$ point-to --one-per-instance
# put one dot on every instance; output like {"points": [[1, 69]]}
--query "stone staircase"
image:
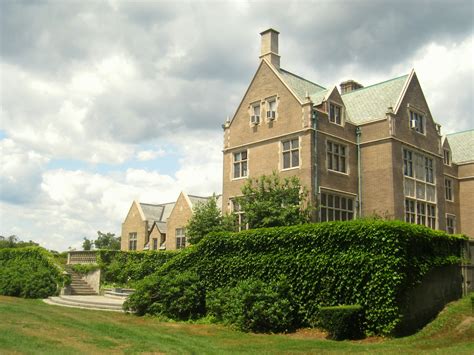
{"points": [[99, 303], [78, 285]]}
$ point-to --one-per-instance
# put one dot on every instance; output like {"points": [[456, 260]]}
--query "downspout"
{"points": [[359, 174], [314, 123]]}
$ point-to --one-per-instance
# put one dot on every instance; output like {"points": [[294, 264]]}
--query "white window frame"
{"points": [[451, 217], [332, 156], [328, 209], [290, 151], [235, 207], [420, 212], [240, 163], [180, 238], [332, 104]]}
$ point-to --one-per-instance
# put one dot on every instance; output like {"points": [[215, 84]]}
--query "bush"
{"points": [[342, 322], [126, 267], [29, 272], [372, 263], [180, 296], [255, 306]]}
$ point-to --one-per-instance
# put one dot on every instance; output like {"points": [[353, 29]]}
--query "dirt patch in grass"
{"points": [[465, 325], [307, 333]]}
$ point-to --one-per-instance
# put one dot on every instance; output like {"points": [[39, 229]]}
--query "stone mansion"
{"points": [[358, 150]]}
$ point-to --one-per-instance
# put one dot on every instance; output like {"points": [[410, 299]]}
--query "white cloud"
{"points": [[145, 155]]}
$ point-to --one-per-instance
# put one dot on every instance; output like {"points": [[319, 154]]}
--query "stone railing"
{"points": [[81, 257]]}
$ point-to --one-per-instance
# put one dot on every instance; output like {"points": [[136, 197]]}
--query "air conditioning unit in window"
{"points": [[271, 115], [254, 119]]}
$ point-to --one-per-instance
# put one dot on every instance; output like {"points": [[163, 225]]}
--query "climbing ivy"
{"points": [[372, 263]]}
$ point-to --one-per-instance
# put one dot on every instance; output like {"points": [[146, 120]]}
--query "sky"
{"points": [[105, 102]]}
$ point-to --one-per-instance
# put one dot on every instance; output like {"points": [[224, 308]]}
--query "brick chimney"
{"points": [[269, 49], [350, 85]]}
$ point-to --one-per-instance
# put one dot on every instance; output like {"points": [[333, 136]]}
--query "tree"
{"points": [[87, 244], [107, 241], [269, 201], [14, 242], [207, 218]]}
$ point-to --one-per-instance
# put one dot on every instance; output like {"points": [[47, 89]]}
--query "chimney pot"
{"points": [[350, 85]]}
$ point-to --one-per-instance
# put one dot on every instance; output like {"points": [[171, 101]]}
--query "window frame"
{"points": [[447, 157], [448, 189], [180, 238], [339, 157], [417, 116], [268, 101], [253, 107], [235, 208], [290, 151], [325, 210], [332, 104], [451, 217], [240, 163], [132, 241]]}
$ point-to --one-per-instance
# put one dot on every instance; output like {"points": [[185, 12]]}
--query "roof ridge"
{"points": [[300, 77], [156, 204], [465, 131], [370, 86]]}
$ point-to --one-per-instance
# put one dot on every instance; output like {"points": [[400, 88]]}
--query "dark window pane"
{"points": [[337, 215], [286, 160], [295, 158]]}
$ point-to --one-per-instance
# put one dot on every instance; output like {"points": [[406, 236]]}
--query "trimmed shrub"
{"points": [[342, 322], [179, 296], [126, 267], [29, 272], [368, 262], [253, 305]]}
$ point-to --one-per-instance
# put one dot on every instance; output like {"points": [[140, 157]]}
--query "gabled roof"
{"points": [[200, 199], [462, 146], [371, 103], [158, 213], [162, 227], [300, 86]]}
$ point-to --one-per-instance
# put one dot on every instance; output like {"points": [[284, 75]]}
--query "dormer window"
{"points": [[335, 113], [271, 109], [255, 114], [447, 157], [417, 122]]}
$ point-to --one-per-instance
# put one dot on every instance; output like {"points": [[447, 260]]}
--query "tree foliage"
{"points": [[207, 218], [107, 241], [13, 241], [269, 201], [87, 244]]}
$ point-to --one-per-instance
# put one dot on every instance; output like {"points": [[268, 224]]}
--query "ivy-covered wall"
{"points": [[372, 263], [123, 268]]}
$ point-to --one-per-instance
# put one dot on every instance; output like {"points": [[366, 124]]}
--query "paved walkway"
{"points": [[103, 303]]}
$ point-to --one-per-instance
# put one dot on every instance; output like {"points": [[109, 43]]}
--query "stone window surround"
{"points": [[339, 156], [132, 241], [452, 218], [281, 154], [350, 213], [412, 111], [330, 104], [180, 238], [448, 189], [241, 163], [446, 157]]}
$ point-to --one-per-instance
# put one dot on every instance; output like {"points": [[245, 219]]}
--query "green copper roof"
{"points": [[301, 87], [462, 146], [371, 103]]}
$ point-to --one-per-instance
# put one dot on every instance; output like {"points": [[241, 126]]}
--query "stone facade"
{"points": [[371, 150]]}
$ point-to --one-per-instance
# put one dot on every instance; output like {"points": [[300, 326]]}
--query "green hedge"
{"points": [[342, 322], [123, 268], [29, 272], [368, 262]]}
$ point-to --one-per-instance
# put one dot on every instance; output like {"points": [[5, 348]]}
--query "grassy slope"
{"points": [[30, 326]]}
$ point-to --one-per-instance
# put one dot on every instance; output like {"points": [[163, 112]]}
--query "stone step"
{"points": [[86, 302]]}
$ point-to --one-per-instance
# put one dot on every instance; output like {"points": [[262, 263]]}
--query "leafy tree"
{"points": [[87, 244], [207, 218], [269, 201], [107, 241], [14, 242]]}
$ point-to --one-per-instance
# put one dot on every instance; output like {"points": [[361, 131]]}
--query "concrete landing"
{"points": [[101, 303]]}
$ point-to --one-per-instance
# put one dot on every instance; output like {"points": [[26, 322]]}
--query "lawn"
{"points": [[31, 326]]}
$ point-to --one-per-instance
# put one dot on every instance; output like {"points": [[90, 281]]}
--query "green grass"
{"points": [[31, 326]]}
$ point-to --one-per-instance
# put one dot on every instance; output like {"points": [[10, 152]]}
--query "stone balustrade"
{"points": [[81, 257]]}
